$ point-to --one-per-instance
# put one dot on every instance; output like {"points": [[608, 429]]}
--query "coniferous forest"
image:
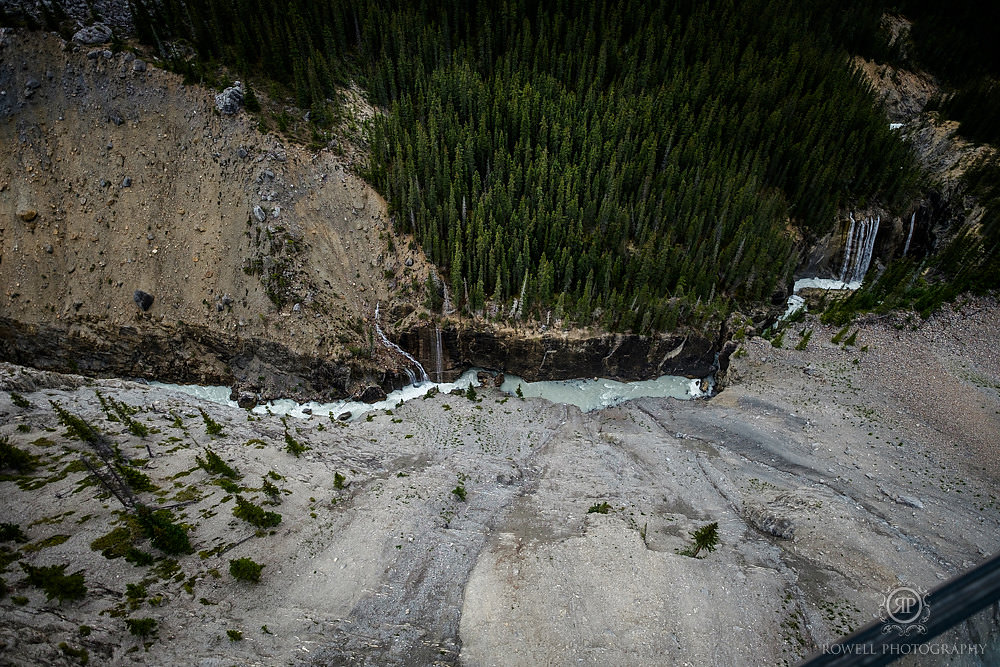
{"points": [[637, 165]]}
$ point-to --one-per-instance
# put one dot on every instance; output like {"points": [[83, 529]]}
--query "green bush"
{"points": [[245, 569], [138, 557], [338, 481], [234, 635], [12, 532], [55, 583], [137, 481], [78, 653], [212, 427], [254, 514], [459, 492], [165, 535], [77, 427], [706, 537], [214, 464], [141, 627], [599, 508], [19, 401], [13, 457], [293, 446]]}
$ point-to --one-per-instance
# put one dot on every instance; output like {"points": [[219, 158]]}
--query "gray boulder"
{"points": [[230, 100], [94, 34], [258, 213], [247, 400], [138, 65]]}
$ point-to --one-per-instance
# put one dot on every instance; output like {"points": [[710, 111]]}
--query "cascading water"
{"points": [[906, 248], [858, 249], [393, 346], [437, 352]]}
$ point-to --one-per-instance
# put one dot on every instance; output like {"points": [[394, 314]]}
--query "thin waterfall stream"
{"points": [[388, 343]]}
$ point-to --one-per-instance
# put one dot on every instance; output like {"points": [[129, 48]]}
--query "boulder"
{"points": [[27, 214], [142, 299], [485, 378], [498, 380], [343, 416], [94, 34], [126, 182], [138, 65], [372, 394], [247, 400], [230, 100], [258, 213]]}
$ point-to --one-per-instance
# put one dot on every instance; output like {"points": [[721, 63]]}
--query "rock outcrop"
{"points": [[230, 100], [93, 34]]}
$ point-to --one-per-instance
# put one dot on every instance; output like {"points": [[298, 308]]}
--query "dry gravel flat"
{"points": [[835, 473]]}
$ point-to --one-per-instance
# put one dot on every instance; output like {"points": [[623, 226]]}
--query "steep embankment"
{"points": [[263, 259], [835, 473]]}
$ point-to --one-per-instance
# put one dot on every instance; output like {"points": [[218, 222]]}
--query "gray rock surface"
{"points": [[230, 100], [93, 34]]}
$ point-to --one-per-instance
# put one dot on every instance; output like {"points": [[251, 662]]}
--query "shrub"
{"points": [[805, 340], [459, 492], [52, 580], [24, 428], [254, 514], [234, 635], [138, 557], [78, 653], [706, 537], [293, 446], [77, 427], [141, 627], [470, 393], [245, 569], [19, 401], [14, 457], [165, 535], [338, 481], [214, 464], [12, 532], [599, 508], [137, 481], [272, 490], [212, 427], [229, 485]]}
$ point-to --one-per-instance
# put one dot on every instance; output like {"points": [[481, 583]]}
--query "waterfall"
{"points": [[847, 250], [437, 352], [906, 248], [858, 249], [393, 346]]}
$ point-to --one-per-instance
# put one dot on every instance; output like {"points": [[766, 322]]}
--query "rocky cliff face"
{"points": [[940, 151], [557, 356]]}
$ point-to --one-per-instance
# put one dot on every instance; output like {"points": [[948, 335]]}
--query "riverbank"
{"points": [[451, 529]]}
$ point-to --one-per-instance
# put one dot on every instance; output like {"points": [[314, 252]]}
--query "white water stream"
{"points": [[590, 394]]}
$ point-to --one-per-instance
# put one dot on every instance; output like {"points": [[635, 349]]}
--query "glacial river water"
{"points": [[586, 394]]}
